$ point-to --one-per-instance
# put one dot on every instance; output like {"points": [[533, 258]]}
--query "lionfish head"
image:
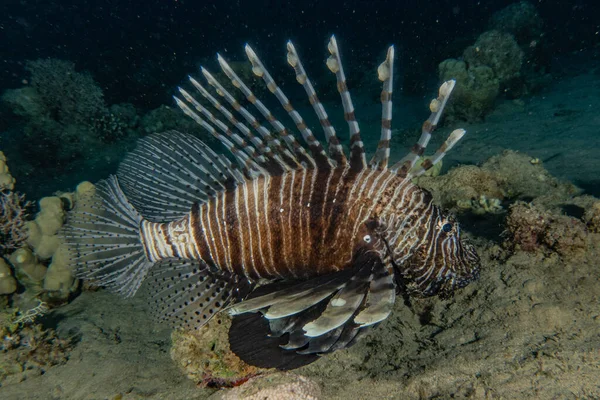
{"points": [[443, 262]]}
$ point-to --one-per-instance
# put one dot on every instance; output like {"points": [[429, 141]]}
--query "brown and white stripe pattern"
{"points": [[321, 159], [335, 148], [303, 221], [301, 224]]}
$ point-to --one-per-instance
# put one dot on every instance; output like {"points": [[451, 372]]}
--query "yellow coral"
{"points": [[29, 269], [7, 182], [60, 278], [8, 283], [205, 357], [42, 231]]}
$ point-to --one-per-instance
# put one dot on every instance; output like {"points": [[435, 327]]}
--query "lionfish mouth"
{"points": [[471, 265]]}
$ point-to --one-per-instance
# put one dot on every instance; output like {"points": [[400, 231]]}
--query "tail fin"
{"points": [[103, 236]]}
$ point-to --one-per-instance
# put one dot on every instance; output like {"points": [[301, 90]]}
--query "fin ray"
{"points": [[168, 172], [112, 252], [188, 293]]}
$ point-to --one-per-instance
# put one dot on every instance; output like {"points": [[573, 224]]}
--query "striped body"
{"points": [[305, 246], [300, 224]]}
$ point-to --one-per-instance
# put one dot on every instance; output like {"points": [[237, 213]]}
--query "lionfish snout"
{"points": [[444, 263], [466, 265]]}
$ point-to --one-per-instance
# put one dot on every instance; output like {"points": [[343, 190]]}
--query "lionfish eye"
{"points": [[367, 238], [447, 227]]}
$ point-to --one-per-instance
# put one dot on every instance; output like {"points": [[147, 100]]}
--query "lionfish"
{"points": [[306, 248]]}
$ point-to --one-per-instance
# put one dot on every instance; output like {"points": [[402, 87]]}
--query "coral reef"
{"points": [[475, 92], [26, 348], [58, 108], [7, 182], [28, 269], [64, 94], [524, 22], [508, 60], [59, 280], [277, 386], [533, 228], [506, 177], [205, 357], [13, 216], [43, 229], [592, 217], [519, 19], [500, 52], [8, 284], [487, 69], [39, 261], [64, 121]]}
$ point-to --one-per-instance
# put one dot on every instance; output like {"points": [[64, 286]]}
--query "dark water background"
{"points": [[116, 40], [139, 51]]}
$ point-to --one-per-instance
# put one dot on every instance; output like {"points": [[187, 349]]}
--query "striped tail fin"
{"points": [[103, 236]]}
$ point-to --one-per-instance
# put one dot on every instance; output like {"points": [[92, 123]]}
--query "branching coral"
{"points": [[13, 215], [29, 316], [27, 348]]}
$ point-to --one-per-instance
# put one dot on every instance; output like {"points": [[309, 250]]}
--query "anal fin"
{"points": [[188, 293]]}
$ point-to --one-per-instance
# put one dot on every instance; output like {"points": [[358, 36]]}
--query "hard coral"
{"points": [[8, 284], [205, 356], [531, 228], [67, 96], [508, 176], [499, 51], [7, 182], [28, 349], [519, 19], [467, 188], [592, 217], [475, 92]]}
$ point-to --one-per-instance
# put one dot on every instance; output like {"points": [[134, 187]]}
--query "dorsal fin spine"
{"points": [[290, 160], [247, 164], [357, 151], [437, 108], [335, 148], [319, 158], [385, 73], [248, 149], [427, 164], [272, 163]]}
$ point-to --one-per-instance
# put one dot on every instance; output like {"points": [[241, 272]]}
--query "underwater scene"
{"points": [[299, 199]]}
